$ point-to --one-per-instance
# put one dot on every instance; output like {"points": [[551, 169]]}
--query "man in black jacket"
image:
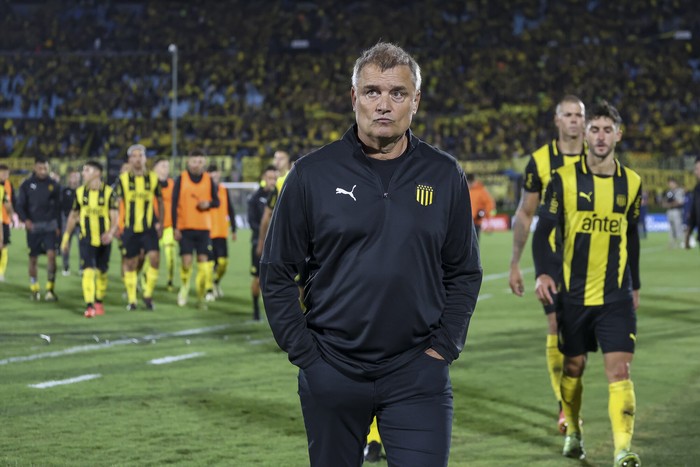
{"points": [[694, 213], [67, 200], [39, 207], [256, 207], [380, 222]]}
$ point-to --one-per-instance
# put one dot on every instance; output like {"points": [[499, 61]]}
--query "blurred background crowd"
{"points": [[89, 78]]}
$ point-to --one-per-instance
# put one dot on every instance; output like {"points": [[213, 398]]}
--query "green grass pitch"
{"points": [[231, 398]]}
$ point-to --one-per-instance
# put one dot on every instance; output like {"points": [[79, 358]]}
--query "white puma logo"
{"points": [[587, 196], [340, 191]]}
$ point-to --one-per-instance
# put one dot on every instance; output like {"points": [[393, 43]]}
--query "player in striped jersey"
{"points": [[596, 204], [137, 189], [96, 210], [568, 148]]}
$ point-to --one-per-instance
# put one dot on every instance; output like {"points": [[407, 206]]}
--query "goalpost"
{"points": [[239, 192]]}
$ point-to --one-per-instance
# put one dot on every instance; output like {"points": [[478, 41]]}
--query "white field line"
{"points": [[175, 358], [484, 296], [61, 382], [109, 344]]}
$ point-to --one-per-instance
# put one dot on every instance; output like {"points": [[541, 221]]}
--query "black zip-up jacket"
{"points": [[389, 273], [39, 201], [256, 209], [694, 214]]}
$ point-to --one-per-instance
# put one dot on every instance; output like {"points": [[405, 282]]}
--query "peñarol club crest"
{"points": [[424, 195]]}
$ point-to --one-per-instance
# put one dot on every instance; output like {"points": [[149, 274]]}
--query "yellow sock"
{"points": [[621, 408], [101, 286], [143, 276], [209, 265], [571, 396], [89, 285], [130, 279], [555, 363], [3, 260], [221, 266], [169, 251], [374, 432], [201, 281], [151, 279], [34, 287], [185, 276], [49, 285]]}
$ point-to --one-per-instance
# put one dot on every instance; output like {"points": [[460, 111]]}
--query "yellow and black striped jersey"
{"points": [[272, 198], [594, 213], [138, 192], [94, 207], [542, 165]]}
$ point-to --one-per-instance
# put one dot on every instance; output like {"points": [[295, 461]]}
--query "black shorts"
{"points": [[219, 248], [94, 257], [134, 243], [41, 242], [6, 233], [195, 241], [255, 261], [582, 328]]}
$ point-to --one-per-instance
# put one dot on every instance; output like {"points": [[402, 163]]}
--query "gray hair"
{"points": [[385, 56], [136, 147]]}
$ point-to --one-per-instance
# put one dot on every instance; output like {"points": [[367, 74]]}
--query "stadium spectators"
{"points": [[90, 79]]}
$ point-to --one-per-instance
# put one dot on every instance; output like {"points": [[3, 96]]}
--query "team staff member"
{"points": [[7, 212], [595, 203], [567, 149], [223, 217], [483, 204], [95, 210], [39, 207], [384, 221], [194, 194], [694, 214], [256, 207], [137, 188], [67, 201], [167, 242]]}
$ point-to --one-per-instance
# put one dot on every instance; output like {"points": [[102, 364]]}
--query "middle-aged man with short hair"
{"points": [[379, 224]]}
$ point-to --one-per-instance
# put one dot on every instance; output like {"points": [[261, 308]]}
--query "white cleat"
{"points": [[182, 297]]}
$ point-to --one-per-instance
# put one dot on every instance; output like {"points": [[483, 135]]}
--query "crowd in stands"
{"points": [[88, 78]]}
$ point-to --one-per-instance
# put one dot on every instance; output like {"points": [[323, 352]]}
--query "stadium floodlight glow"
{"points": [[172, 48]]}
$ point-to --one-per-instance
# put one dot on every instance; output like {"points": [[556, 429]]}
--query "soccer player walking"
{"points": [[96, 209], [137, 189], [567, 148], [380, 223], [223, 218], [194, 194], [595, 203]]}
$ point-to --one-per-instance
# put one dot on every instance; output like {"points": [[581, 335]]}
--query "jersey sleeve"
{"points": [[113, 201], [634, 212], [76, 203], [533, 182], [272, 199]]}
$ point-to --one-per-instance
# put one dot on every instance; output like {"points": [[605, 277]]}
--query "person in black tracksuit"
{"points": [[67, 199], [693, 221], [381, 221], [256, 207], [39, 207]]}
